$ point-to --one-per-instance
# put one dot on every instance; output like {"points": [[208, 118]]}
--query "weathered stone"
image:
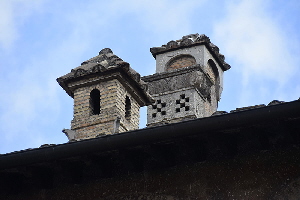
{"points": [[70, 134], [188, 81], [104, 103], [190, 41]]}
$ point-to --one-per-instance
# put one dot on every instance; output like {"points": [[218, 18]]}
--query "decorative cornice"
{"points": [[104, 63], [174, 72]]}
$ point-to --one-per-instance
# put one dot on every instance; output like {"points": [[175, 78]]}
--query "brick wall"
{"points": [[211, 74], [112, 105], [180, 62]]}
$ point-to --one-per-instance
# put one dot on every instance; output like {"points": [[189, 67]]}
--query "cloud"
{"points": [[254, 40], [259, 47], [13, 13]]}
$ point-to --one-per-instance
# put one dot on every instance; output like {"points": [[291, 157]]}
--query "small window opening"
{"points": [[127, 108], [95, 102], [153, 115]]}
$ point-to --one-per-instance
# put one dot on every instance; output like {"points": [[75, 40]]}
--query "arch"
{"points": [[127, 108], [180, 61], [214, 69], [95, 102], [215, 76]]}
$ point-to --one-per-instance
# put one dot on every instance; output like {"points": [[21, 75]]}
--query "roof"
{"points": [[101, 64], [189, 41], [282, 118]]}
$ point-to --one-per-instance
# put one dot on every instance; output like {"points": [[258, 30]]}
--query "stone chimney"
{"points": [[188, 81], [107, 95]]}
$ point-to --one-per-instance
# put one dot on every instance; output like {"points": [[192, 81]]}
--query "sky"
{"points": [[41, 40]]}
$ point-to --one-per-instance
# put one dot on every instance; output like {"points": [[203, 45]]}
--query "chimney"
{"points": [[107, 95], [188, 81]]}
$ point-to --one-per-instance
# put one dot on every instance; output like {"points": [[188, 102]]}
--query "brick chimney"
{"points": [[107, 95], [188, 81]]}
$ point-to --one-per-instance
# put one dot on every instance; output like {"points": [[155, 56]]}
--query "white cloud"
{"points": [[254, 40], [12, 14]]}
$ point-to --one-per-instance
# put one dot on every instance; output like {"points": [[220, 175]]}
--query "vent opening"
{"points": [[95, 102], [127, 108]]}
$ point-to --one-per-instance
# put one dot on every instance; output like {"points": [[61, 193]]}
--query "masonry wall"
{"points": [[175, 77], [162, 60], [112, 105], [181, 94], [181, 62], [200, 53]]}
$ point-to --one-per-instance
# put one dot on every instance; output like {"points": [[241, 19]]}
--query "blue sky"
{"points": [[41, 40]]}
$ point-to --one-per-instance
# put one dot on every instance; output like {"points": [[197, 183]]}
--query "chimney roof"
{"points": [[105, 62], [189, 41]]}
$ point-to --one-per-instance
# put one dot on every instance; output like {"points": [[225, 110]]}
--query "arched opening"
{"points": [[180, 61], [214, 74], [214, 68], [95, 102], [127, 108]]}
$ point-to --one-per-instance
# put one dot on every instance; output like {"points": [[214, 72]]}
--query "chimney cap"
{"points": [[189, 41]]}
